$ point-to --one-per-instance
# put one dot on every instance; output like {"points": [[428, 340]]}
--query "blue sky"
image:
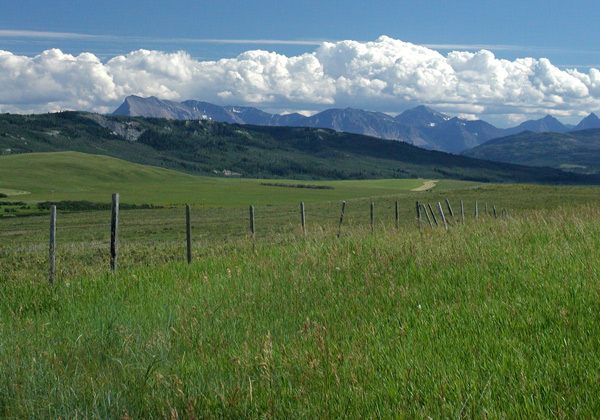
{"points": [[564, 33]]}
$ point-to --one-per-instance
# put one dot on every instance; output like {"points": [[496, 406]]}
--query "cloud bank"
{"points": [[386, 75]]}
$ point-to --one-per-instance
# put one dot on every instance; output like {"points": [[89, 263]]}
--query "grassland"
{"points": [[79, 176], [497, 318], [494, 319]]}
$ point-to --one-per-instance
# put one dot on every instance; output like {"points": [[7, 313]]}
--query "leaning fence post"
{"points": [[449, 208], [495, 214], [427, 215], [252, 229], [114, 231], [302, 218], [372, 217], [341, 218], [433, 214], [397, 216], [462, 211], [442, 213], [188, 231], [52, 250]]}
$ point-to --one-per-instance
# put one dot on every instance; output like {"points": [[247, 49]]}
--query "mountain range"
{"points": [[421, 126], [209, 147]]}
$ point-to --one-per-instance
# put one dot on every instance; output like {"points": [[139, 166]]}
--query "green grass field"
{"points": [[78, 176], [494, 319]]}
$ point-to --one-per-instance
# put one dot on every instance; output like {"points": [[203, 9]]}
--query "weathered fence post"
{"points": [[462, 211], [427, 215], [302, 218], [341, 218], [372, 217], [449, 208], [486, 209], [52, 250], [442, 213], [114, 231], [476, 210], [397, 216], [433, 214], [495, 214], [252, 229], [418, 206], [188, 231]]}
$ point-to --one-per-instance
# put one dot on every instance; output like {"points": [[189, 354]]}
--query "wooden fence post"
{"points": [[114, 232], [252, 228], [427, 215], [418, 206], [397, 216], [341, 218], [188, 231], [449, 208], [462, 211], [486, 209], [52, 250], [442, 213], [495, 214], [302, 218], [433, 215], [476, 210], [372, 217]]}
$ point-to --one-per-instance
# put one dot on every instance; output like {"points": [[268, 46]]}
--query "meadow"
{"points": [[35, 177], [494, 319], [497, 318]]}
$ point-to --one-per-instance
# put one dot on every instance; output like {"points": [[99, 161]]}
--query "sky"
{"points": [[504, 62]]}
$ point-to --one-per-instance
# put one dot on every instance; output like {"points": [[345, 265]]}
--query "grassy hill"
{"points": [[209, 148], [577, 151], [58, 176]]}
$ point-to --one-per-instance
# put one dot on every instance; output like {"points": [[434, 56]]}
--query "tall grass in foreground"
{"points": [[497, 319]]}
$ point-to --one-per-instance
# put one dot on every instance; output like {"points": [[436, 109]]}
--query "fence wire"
{"points": [[165, 228]]}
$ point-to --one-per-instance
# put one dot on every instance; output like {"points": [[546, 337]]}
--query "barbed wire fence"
{"points": [[191, 232]]}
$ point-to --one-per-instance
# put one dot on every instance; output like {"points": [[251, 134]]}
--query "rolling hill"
{"points": [[577, 151], [59, 176]]}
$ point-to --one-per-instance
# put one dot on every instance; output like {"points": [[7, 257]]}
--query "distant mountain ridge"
{"points": [[421, 126], [548, 123], [216, 148], [589, 122]]}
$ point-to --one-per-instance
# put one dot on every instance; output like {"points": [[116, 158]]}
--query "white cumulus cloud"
{"points": [[385, 75]]}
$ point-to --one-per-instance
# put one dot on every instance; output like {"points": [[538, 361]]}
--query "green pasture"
{"points": [[496, 319], [78, 176]]}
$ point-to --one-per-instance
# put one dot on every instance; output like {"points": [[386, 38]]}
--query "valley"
{"points": [[277, 318]]}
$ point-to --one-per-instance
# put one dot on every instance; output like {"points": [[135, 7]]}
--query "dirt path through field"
{"points": [[427, 185], [13, 192]]}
